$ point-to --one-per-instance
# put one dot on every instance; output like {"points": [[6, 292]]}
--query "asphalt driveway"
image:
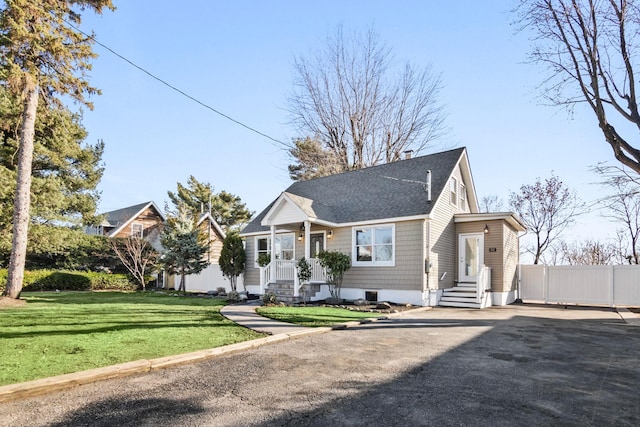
{"points": [[515, 365]]}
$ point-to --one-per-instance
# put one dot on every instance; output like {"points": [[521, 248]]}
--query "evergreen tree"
{"points": [[226, 208], [232, 258], [184, 245], [41, 55], [65, 175]]}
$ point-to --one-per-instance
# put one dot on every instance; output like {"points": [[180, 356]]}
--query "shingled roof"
{"points": [[119, 217], [391, 190]]}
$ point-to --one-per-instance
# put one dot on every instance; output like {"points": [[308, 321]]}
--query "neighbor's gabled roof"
{"points": [[391, 190], [120, 218]]}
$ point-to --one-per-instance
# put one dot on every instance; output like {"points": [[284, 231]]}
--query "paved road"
{"points": [[515, 365]]}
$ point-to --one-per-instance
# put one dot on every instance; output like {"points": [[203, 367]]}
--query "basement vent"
{"points": [[371, 296]]}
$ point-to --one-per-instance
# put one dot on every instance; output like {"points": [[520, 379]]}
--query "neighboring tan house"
{"points": [[412, 229], [145, 220], [211, 277]]}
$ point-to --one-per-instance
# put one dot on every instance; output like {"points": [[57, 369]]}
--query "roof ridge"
{"points": [[382, 165]]}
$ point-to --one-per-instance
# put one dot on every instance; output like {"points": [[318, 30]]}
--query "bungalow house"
{"points": [[142, 220], [145, 220], [412, 229]]}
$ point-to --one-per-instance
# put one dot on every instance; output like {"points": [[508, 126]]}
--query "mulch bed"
{"points": [[367, 308]]}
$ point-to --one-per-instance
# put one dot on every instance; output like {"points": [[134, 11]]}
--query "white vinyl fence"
{"points": [[611, 285], [209, 279]]}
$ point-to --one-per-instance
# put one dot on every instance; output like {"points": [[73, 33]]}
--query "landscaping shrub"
{"points": [[51, 280], [269, 298], [233, 296]]}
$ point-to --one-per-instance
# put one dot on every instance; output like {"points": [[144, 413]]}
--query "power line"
{"points": [[181, 92]]}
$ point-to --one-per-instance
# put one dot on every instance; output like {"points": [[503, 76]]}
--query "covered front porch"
{"points": [[287, 244]]}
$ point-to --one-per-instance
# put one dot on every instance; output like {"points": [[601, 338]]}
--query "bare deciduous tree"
{"points": [[137, 255], [490, 203], [622, 205], [589, 252], [547, 209], [591, 50], [349, 98]]}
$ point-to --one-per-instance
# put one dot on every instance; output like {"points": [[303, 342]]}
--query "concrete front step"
{"points": [[458, 299], [459, 304], [284, 291], [459, 294]]}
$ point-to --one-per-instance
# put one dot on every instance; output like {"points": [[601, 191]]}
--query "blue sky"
{"points": [[237, 56]]}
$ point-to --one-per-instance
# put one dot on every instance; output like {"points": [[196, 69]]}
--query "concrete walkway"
{"points": [[245, 315]]}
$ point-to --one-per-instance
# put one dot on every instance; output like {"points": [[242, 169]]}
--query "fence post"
{"points": [[612, 285], [545, 283]]}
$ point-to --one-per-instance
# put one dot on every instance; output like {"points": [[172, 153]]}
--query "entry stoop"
{"points": [[283, 290], [464, 295]]}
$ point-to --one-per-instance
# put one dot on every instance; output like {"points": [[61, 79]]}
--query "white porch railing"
{"points": [[484, 283], [318, 272], [287, 270]]}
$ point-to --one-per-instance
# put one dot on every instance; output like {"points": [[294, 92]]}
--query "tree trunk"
{"points": [[23, 191], [181, 287]]}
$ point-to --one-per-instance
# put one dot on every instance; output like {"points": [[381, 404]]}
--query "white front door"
{"points": [[471, 256]]}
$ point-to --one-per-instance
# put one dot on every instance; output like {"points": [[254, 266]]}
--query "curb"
{"points": [[629, 316], [65, 381], [354, 323]]}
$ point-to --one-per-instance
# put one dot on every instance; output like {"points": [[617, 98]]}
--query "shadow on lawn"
{"points": [[109, 297]]}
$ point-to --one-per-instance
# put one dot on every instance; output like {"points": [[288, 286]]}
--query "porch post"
{"points": [[307, 243], [272, 251]]}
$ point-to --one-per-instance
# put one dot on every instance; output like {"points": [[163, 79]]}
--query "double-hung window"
{"points": [[137, 230], [453, 189], [285, 246], [374, 246], [463, 198]]}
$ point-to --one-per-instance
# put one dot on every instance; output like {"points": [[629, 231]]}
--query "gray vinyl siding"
{"points": [[251, 273], [512, 258], [407, 274], [504, 260], [443, 239], [492, 239]]}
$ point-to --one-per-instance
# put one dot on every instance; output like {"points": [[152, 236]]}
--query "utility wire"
{"points": [[153, 76]]}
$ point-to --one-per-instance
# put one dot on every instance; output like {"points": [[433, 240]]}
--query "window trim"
{"points": [[141, 234], [453, 191], [268, 237], [373, 263]]}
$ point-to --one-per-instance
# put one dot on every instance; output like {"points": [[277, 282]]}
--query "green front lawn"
{"points": [[58, 333], [313, 316]]}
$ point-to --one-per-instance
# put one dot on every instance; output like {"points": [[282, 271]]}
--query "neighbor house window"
{"points": [[136, 229], [463, 198], [285, 244], [374, 246], [453, 189]]}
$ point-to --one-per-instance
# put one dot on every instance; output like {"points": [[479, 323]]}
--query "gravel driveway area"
{"points": [[505, 366]]}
